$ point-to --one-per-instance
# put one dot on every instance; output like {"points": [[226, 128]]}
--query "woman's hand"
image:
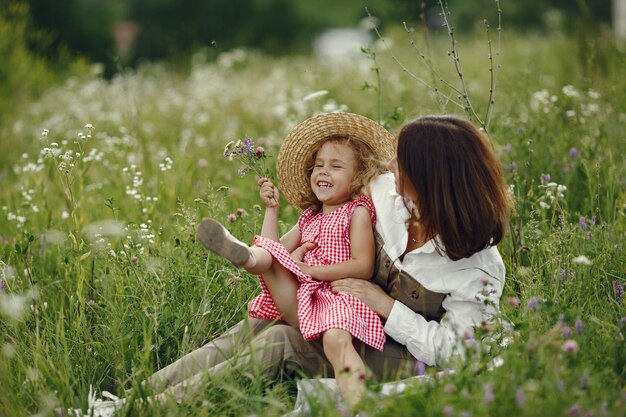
{"points": [[269, 193], [371, 294]]}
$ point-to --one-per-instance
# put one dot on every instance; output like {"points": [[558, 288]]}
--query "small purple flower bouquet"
{"points": [[252, 158]]}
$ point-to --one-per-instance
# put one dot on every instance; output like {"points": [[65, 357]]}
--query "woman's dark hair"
{"points": [[461, 192]]}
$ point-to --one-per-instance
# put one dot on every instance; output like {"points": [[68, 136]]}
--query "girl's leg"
{"points": [[283, 288], [347, 364], [281, 284]]}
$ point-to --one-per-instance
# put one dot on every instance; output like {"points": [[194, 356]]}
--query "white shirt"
{"points": [[429, 341]]}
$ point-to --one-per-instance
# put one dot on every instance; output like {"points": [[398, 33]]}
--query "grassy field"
{"points": [[102, 184]]}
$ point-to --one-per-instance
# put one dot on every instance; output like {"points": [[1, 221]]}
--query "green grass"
{"points": [[104, 282]]}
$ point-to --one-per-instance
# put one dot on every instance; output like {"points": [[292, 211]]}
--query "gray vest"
{"points": [[402, 287]]}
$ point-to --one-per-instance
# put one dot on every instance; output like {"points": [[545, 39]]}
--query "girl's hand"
{"points": [[269, 193], [371, 294], [298, 254]]}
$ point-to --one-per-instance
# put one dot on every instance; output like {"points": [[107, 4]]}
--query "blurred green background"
{"points": [[127, 32], [43, 41]]}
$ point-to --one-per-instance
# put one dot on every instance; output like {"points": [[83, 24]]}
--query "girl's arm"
{"points": [[270, 197], [361, 265]]}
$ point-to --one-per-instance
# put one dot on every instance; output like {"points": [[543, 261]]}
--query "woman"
{"points": [[441, 212]]}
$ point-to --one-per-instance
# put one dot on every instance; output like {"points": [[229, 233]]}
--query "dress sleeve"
{"points": [[466, 307], [361, 201], [305, 217]]}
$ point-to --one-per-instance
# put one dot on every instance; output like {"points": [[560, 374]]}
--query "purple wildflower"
{"points": [[619, 291], [560, 385], [533, 303], [583, 222], [464, 413], [592, 220], [488, 394], [231, 217], [563, 275], [579, 326], [2, 285], [545, 178], [448, 411], [520, 396], [248, 145], [566, 332], [419, 367], [91, 302], [259, 151], [573, 153], [574, 410]]}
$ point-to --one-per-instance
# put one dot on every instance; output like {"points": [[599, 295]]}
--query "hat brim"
{"points": [[302, 140]]}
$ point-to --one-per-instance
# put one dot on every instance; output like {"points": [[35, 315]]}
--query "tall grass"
{"points": [[102, 281]]}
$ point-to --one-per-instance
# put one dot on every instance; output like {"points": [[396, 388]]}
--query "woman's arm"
{"points": [[430, 341], [361, 263]]}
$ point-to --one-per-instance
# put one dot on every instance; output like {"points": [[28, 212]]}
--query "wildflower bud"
{"points": [[513, 302], [231, 217], [486, 326], [468, 334], [449, 388], [134, 260], [260, 151], [484, 280], [91, 302], [570, 346]]}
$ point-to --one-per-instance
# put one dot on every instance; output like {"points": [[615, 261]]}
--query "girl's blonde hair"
{"points": [[367, 167]]}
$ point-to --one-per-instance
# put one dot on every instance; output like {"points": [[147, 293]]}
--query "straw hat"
{"points": [[300, 142]]}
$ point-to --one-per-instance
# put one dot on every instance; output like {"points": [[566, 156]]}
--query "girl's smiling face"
{"points": [[333, 174]]}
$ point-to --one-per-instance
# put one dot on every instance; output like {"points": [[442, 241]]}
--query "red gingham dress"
{"points": [[319, 309]]}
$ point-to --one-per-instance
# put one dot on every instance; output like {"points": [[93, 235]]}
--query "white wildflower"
{"points": [[570, 91], [593, 94], [582, 260], [13, 305], [8, 350], [106, 228]]}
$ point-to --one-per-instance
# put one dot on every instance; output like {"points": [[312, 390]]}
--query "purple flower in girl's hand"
{"points": [[252, 158]]}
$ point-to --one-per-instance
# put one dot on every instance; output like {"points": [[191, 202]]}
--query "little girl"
{"points": [[338, 222]]}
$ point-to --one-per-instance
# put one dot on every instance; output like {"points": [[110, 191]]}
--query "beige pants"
{"points": [[277, 350]]}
